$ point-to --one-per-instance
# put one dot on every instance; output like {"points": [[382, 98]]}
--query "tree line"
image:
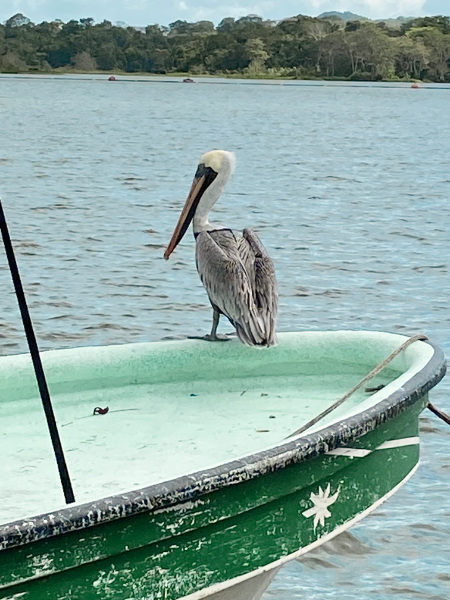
{"points": [[298, 47]]}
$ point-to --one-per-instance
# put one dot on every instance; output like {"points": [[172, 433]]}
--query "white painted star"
{"points": [[321, 502]]}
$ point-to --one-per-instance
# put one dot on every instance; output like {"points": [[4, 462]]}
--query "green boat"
{"points": [[199, 469]]}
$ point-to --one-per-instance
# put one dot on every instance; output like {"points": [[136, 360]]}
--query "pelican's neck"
{"points": [[200, 221], [210, 197]]}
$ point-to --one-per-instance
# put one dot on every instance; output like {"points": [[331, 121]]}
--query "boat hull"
{"points": [[197, 544], [222, 533]]}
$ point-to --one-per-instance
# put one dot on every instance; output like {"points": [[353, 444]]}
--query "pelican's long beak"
{"points": [[202, 180]]}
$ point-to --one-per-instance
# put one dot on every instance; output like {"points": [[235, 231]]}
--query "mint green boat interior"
{"points": [[183, 407]]}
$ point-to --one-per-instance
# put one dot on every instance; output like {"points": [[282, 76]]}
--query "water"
{"points": [[348, 186]]}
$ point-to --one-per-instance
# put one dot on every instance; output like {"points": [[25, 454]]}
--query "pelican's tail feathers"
{"points": [[246, 336]]}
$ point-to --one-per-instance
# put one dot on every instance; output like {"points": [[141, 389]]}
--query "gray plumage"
{"points": [[239, 277]]}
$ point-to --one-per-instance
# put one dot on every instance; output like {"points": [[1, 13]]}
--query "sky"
{"points": [[163, 12]]}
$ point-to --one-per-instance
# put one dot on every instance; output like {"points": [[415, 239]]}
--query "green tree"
{"points": [[439, 22], [83, 61], [226, 25], [87, 22], [371, 52], [106, 57], [411, 57], [257, 56], [438, 45], [17, 20], [12, 63], [316, 30], [335, 54]]}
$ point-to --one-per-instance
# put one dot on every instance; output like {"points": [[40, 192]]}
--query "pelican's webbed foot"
{"points": [[218, 337]]}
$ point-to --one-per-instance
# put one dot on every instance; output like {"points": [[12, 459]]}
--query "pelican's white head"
{"points": [[214, 170], [220, 161]]}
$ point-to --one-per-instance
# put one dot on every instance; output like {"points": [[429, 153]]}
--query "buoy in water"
{"points": [[415, 85], [112, 78]]}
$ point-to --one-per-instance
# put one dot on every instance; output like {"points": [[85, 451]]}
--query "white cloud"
{"points": [[394, 8], [215, 10], [375, 9], [139, 12]]}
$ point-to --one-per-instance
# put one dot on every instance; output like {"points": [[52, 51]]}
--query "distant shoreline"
{"points": [[124, 76], [298, 48]]}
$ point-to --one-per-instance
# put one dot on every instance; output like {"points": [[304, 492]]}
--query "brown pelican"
{"points": [[236, 271]]}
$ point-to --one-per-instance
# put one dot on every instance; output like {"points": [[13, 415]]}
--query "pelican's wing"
{"points": [[261, 270], [229, 288]]}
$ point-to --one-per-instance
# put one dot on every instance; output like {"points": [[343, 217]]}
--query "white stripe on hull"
{"points": [[361, 452]]}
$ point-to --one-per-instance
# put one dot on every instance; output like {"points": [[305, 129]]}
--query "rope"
{"points": [[375, 371], [439, 413]]}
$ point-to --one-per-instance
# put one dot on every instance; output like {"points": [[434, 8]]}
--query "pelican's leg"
{"points": [[213, 336]]}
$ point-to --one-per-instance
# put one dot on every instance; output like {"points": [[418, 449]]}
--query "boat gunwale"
{"points": [[188, 488]]}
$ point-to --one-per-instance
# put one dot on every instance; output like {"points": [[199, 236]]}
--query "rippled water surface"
{"points": [[349, 188]]}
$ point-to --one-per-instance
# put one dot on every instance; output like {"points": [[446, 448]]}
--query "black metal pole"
{"points": [[34, 351]]}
